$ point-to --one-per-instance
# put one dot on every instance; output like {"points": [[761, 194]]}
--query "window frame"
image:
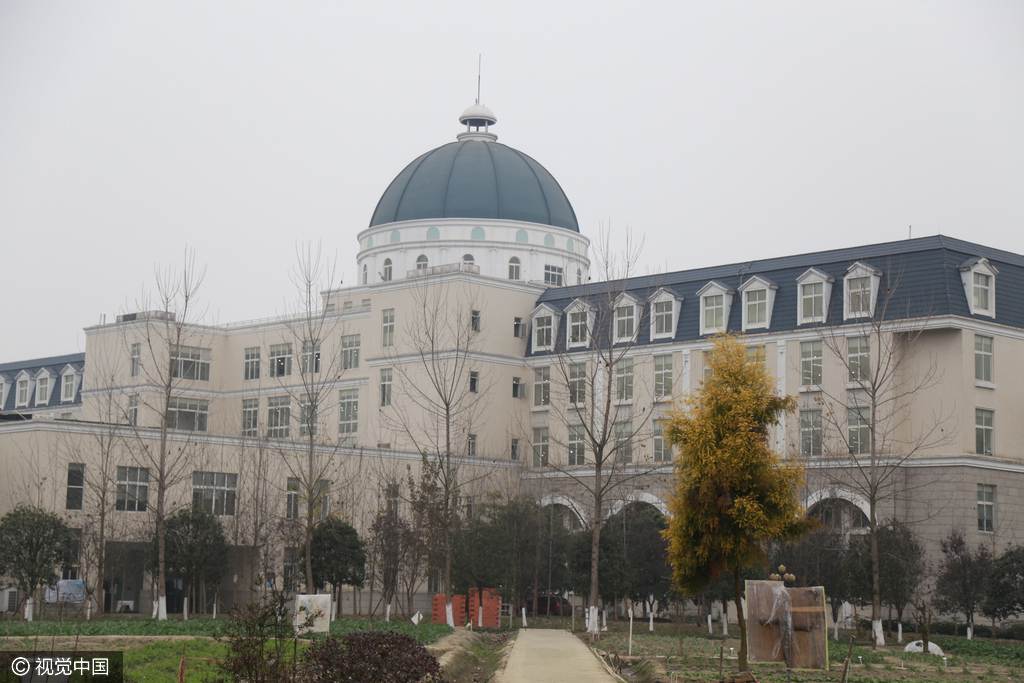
{"points": [[986, 508], [515, 269], [251, 358], [811, 364], [182, 407], [576, 445], [811, 432], [74, 497], [576, 384], [350, 351], [554, 276], [859, 371], [65, 395], [542, 387], [984, 360], [984, 433], [541, 446], [385, 387], [279, 417], [663, 376], [348, 413], [387, 327], [624, 373], [280, 356], [190, 363], [250, 417], [131, 487], [220, 489], [543, 332]]}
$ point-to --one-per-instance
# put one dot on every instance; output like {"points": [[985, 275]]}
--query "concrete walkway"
{"points": [[542, 655]]}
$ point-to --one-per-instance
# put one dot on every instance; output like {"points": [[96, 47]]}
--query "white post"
{"points": [[479, 616], [711, 630], [449, 614], [524, 617], [899, 632], [184, 609], [29, 604], [604, 620], [215, 608], [630, 632]]}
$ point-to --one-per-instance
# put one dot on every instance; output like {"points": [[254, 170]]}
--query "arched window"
{"points": [[396, 236], [514, 272], [477, 234], [365, 272], [549, 241], [369, 242], [468, 258], [433, 233], [422, 262], [386, 273], [569, 244], [522, 236]]}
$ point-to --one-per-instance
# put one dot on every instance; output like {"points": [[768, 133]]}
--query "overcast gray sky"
{"points": [[721, 131]]}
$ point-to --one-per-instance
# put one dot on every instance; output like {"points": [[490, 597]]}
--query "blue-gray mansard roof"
{"points": [[9, 373], [924, 274]]}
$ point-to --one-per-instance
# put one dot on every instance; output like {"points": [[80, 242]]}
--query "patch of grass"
{"points": [[479, 660], [158, 662], [115, 627], [425, 633], [1008, 652]]}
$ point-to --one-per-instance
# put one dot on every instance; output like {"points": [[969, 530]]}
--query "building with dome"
{"points": [[475, 281]]}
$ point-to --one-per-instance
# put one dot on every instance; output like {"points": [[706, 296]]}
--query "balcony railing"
{"points": [[460, 267]]}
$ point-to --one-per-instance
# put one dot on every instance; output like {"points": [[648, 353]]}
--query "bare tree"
{"points": [[310, 327], [164, 347], [596, 398], [873, 424], [439, 398]]}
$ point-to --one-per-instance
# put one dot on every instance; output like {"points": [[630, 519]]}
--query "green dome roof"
{"points": [[475, 178]]}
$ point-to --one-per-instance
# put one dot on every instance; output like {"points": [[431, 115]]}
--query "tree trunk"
{"points": [[878, 637], [742, 621], [595, 545]]}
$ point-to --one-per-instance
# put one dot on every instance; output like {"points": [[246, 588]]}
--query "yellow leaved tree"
{"points": [[732, 494]]}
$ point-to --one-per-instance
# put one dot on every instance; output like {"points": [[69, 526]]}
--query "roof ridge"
{"points": [[43, 362]]}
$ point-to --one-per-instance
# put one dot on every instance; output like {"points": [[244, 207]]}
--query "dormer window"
{"points": [[21, 397], [814, 288], [67, 387], [579, 325], [861, 290], [715, 301], [664, 313], [625, 319], [543, 332], [42, 390], [979, 277], [758, 300]]}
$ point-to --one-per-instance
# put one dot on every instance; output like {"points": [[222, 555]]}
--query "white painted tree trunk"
{"points": [[524, 617], [184, 609], [725, 618], [650, 621], [215, 608], [387, 611], [876, 630], [604, 620], [630, 631], [449, 614], [29, 605], [88, 609], [161, 611], [835, 630], [479, 616], [970, 633], [899, 632], [594, 623], [711, 629]]}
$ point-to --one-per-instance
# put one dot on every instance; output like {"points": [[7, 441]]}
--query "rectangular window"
{"points": [[540, 446], [982, 291], [756, 354], [812, 302], [518, 388], [983, 429], [350, 351], [625, 322], [471, 445], [474, 382], [577, 441], [76, 486], [132, 489], [474, 321], [624, 380], [310, 358], [706, 369], [542, 332], [757, 307], [986, 508], [189, 362], [291, 500], [308, 418], [133, 409], [42, 390], [553, 275], [860, 295], [136, 359], [385, 386], [250, 417], [983, 357], [513, 449], [280, 360], [188, 414], [321, 500], [810, 432], [810, 363], [663, 376], [292, 568], [663, 314], [623, 435], [858, 359], [577, 383], [67, 390], [541, 386], [662, 448], [348, 420], [859, 431], [279, 417], [714, 312], [517, 328], [251, 363], [22, 392], [387, 327], [214, 492], [578, 328]]}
